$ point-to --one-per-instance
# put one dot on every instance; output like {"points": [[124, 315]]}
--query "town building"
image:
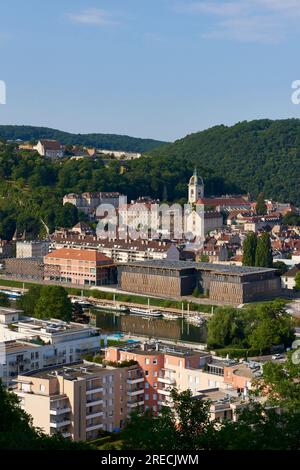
{"points": [[7, 249], [288, 279], [49, 148], [120, 251], [88, 202], [30, 344], [165, 366], [223, 283], [32, 249], [25, 268], [79, 267], [81, 401]]}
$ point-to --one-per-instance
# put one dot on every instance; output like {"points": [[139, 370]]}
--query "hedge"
{"points": [[237, 353]]}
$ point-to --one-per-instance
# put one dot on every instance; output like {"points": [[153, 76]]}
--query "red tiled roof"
{"points": [[224, 201], [51, 144], [77, 254]]}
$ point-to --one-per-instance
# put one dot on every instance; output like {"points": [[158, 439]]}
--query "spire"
{"points": [[195, 172]]}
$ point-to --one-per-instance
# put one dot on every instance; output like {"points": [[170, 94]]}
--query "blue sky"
{"points": [[148, 68]]}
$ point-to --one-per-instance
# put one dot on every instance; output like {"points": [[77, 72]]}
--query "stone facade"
{"points": [[223, 284]]}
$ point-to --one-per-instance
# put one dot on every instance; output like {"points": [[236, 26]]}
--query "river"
{"points": [[160, 328]]}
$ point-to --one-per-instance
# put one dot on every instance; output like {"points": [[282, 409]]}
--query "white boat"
{"points": [[83, 303], [115, 308], [170, 316], [145, 312], [12, 294], [195, 319]]}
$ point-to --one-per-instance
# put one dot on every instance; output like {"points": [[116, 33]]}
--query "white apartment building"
{"points": [[36, 344], [32, 249]]}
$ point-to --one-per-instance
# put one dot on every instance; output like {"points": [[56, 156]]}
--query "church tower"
{"points": [[196, 188]]}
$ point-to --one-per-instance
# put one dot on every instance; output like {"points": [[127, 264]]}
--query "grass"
{"points": [[131, 298]]}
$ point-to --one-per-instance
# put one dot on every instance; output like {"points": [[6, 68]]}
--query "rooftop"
{"points": [[9, 311], [77, 254], [217, 268], [15, 346]]}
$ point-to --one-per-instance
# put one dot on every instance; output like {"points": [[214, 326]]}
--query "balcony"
{"points": [[59, 424], [166, 392], [94, 390], [93, 402], [134, 393], [133, 381], [59, 411], [134, 404], [66, 434], [166, 380], [94, 427], [94, 414]]}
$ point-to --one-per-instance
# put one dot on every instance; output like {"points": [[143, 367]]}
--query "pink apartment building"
{"points": [[163, 367]]}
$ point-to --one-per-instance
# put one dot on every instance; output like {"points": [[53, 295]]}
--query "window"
{"points": [[154, 396], [42, 387], [146, 372], [154, 408], [155, 385], [147, 385], [147, 360], [155, 373], [154, 361], [147, 396]]}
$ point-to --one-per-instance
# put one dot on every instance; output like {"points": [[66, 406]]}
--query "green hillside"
{"points": [[254, 156], [248, 157], [104, 141]]}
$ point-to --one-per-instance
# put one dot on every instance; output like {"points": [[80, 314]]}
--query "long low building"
{"points": [[222, 283]]}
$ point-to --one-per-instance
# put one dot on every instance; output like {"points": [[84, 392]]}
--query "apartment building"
{"points": [[30, 344], [80, 267], [32, 249], [81, 400], [120, 251], [165, 366]]}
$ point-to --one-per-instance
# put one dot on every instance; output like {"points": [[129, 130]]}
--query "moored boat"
{"points": [[145, 312]]}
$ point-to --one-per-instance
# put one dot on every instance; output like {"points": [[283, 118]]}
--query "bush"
{"points": [[237, 353]]}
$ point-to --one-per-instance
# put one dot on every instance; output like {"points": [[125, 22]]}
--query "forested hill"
{"points": [[103, 141], [254, 156]]}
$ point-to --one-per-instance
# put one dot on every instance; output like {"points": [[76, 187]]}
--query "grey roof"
{"points": [[217, 268]]}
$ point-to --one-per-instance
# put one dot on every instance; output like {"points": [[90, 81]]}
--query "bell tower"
{"points": [[196, 188]]}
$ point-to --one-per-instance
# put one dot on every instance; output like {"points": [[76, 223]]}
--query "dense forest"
{"points": [[257, 156], [102, 141], [248, 157]]}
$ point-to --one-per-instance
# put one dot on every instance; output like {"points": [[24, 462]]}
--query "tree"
{"points": [[29, 300], [291, 219], [281, 267], [178, 427], [186, 426], [261, 208], [224, 328], [273, 327], [263, 255], [249, 249], [297, 281], [4, 300], [53, 303], [18, 433], [280, 381]]}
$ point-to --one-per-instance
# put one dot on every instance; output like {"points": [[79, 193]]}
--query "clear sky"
{"points": [[148, 68]]}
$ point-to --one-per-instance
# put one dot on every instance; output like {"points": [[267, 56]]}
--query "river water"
{"points": [[159, 328]]}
